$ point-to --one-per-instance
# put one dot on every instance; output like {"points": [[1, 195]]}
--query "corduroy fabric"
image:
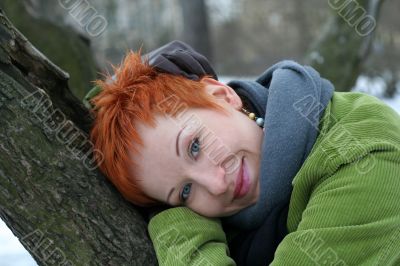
{"points": [[191, 240]]}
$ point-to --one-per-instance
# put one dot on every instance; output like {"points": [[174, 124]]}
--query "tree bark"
{"points": [[345, 41], [52, 197]]}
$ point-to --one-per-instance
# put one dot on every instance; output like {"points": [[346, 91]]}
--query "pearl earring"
{"points": [[252, 116]]}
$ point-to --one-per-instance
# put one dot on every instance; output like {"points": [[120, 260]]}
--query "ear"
{"points": [[222, 92]]}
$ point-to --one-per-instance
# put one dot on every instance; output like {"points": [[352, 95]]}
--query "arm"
{"points": [[182, 237], [351, 218]]}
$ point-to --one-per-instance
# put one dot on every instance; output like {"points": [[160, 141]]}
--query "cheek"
{"points": [[210, 213], [206, 206]]}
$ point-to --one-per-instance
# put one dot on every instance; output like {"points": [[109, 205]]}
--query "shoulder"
{"points": [[352, 107], [358, 123], [353, 126]]}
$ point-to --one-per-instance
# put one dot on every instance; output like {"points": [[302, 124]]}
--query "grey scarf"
{"points": [[291, 98]]}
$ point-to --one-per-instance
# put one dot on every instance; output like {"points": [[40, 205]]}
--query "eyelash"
{"points": [[181, 198], [191, 145], [181, 195]]}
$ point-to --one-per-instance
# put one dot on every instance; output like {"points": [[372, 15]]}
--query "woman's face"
{"points": [[196, 159]]}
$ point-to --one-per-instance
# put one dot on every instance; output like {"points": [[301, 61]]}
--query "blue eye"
{"points": [[194, 147], [185, 192]]}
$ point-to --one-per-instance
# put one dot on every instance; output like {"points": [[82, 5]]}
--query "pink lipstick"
{"points": [[242, 185]]}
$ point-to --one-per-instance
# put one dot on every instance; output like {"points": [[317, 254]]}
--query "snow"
{"points": [[12, 253], [376, 87], [394, 103]]}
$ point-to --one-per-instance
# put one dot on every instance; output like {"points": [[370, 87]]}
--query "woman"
{"points": [[295, 173]]}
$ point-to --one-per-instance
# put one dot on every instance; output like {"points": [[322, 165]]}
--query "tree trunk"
{"points": [[61, 208], [345, 41], [196, 30]]}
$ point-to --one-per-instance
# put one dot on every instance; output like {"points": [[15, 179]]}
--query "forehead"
{"points": [[163, 125], [158, 164], [158, 143]]}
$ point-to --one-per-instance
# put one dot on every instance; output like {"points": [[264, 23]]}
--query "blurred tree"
{"points": [[385, 52], [345, 41], [260, 33], [196, 30], [299, 16], [62, 210], [68, 49]]}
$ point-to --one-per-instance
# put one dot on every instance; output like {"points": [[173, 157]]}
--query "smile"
{"points": [[242, 184]]}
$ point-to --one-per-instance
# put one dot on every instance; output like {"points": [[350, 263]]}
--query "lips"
{"points": [[242, 184]]}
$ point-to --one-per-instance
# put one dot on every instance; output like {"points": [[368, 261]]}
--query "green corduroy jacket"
{"points": [[345, 204]]}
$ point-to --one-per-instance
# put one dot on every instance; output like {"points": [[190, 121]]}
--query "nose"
{"points": [[214, 181]]}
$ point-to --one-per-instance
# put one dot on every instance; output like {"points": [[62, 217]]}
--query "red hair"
{"points": [[129, 98]]}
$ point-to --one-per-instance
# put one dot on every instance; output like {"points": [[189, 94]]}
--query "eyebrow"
{"points": [[177, 153], [177, 141]]}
